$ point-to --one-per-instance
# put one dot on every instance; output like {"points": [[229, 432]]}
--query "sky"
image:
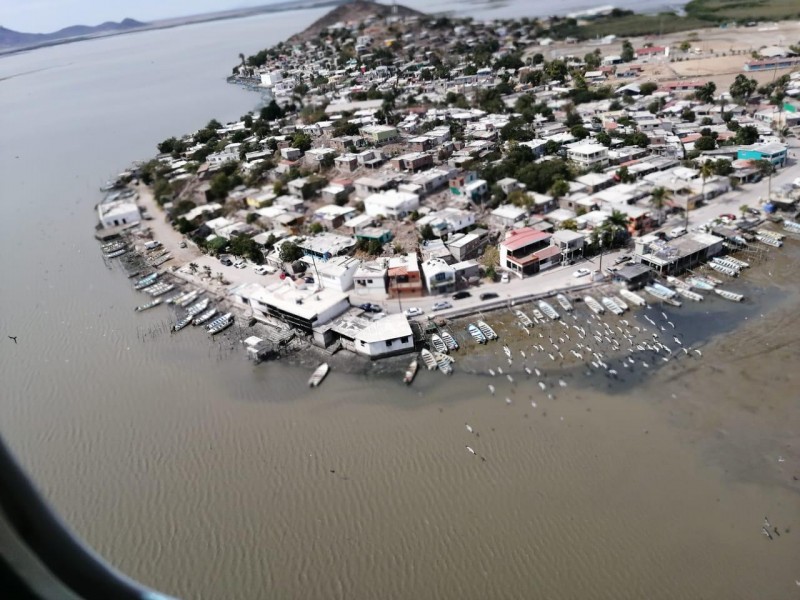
{"points": [[45, 16]]}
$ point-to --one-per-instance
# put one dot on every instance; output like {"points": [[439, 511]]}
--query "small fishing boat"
{"points": [[428, 359], [161, 260], [438, 344], [411, 371], [594, 305], [476, 333], [444, 362], [701, 283], [116, 253], [189, 298], [486, 330], [620, 302], [146, 281], [168, 287], [611, 305], [198, 307], [523, 319], [177, 299], [660, 295], [451, 342], [668, 292], [507, 351], [769, 241], [689, 294], [114, 247], [732, 296], [722, 269], [180, 324], [632, 297], [727, 263], [740, 263], [537, 314], [564, 302], [205, 317], [220, 324], [319, 374], [149, 305], [172, 299], [548, 310]]}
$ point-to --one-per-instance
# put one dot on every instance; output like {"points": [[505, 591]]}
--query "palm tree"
{"points": [[743, 209], [193, 267], [706, 171], [658, 198]]}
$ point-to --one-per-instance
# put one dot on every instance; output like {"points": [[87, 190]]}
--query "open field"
{"points": [[743, 10]]}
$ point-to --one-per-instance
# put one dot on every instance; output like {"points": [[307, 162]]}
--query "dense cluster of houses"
{"points": [[405, 178]]}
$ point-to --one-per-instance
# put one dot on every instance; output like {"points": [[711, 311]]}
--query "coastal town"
{"points": [[406, 170]]}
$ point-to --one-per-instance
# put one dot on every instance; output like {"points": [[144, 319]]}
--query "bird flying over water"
{"points": [[13, 337]]}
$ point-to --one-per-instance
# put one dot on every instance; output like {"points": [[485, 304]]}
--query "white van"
{"points": [[152, 245], [677, 232]]}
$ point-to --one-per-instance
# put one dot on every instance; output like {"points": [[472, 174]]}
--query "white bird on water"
{"points": [[508, 400], [500, 370], [698, 352], [491, 389], [491, 372], [469, 427], [470, 450], [510, 378], [542, 385], [533, 403]]}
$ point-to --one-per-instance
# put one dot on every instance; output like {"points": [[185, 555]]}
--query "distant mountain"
{"points": [[16, 39]]}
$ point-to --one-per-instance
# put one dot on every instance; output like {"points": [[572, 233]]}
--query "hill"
{"points": [[357, 10], [10, 39]]}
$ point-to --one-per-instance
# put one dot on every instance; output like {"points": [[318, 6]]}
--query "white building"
{"points": [[393, 204], [438, 276], [230, 152], [297, 304], [508, 215], [336, 273], [118, 212], [370, 280], [588, 154], [448, 220], [383, 337], [271, 79]]}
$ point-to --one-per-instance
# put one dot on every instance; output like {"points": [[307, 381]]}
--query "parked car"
{"points": [[621, 259], [612, 269], [581, 273], [488, 295], [413, 312], [226, 261], [309, 280], [505, 278], [442, 305], [754, 211], [264, 269], [373, 308], [728, 217], [461, 295]]}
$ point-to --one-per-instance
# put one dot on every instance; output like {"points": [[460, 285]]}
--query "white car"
{"points": [[413, 312], [442, 305], [264, 269], [581, 273]]}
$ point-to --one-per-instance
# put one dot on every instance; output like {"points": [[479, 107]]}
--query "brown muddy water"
{"points": [[206, 476]]}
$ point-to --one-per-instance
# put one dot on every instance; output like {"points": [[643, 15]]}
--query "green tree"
{"points": [[315, 228], [658, 200], [705, 143], [559, 188], [570, 224], [705, 93], [603, 138], [746, 135], [627, 53], [290, 252], [623, 175], [647, 88], [426, 232], [271, 112], [742, 88], [301, 141], [592, 60]]}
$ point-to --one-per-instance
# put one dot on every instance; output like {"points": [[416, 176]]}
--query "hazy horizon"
{"points": [[48, 16]]}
